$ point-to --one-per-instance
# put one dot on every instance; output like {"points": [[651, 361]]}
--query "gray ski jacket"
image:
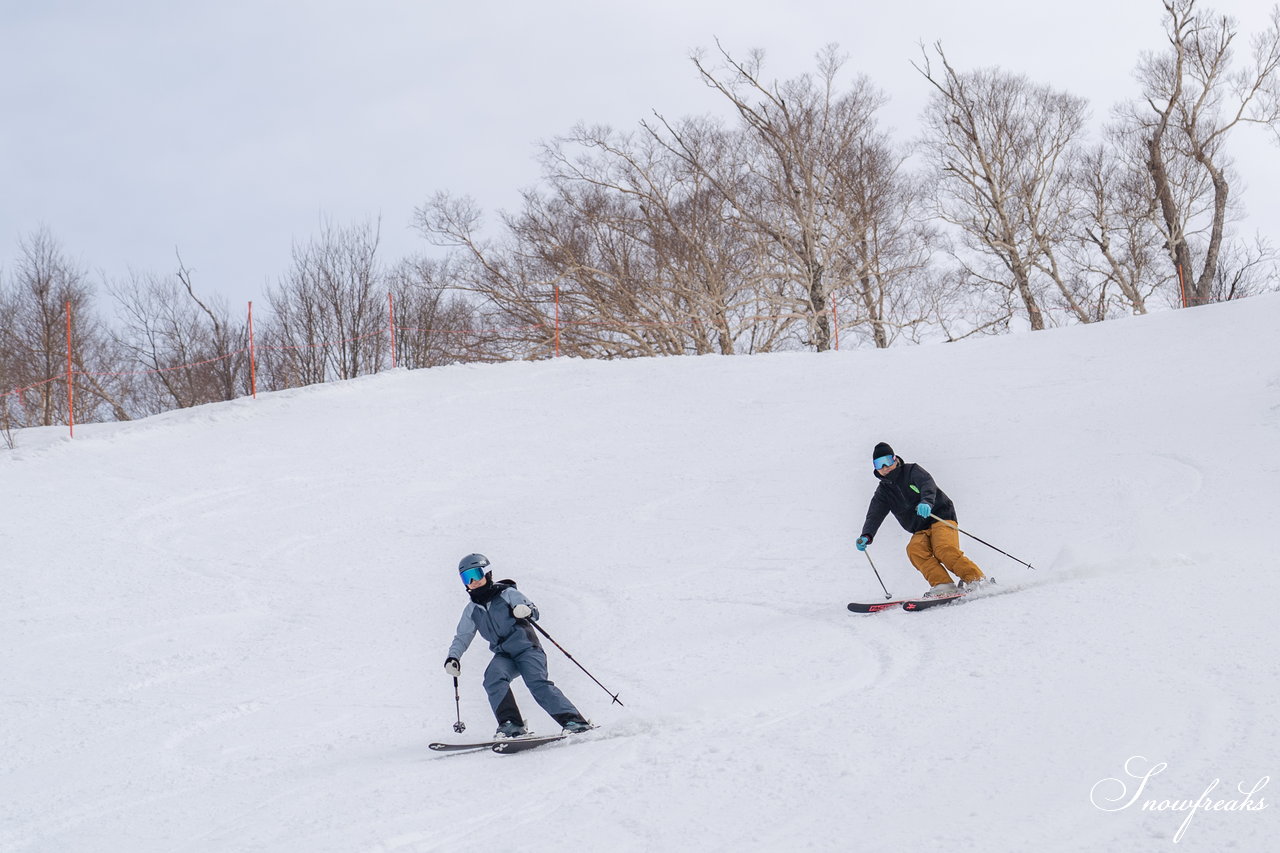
{"points": [[506, 634]]}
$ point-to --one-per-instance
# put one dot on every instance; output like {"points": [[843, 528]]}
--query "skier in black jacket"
{"points": [[915, 500]]}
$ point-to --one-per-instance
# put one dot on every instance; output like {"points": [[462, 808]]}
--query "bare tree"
{"points": [[1245, 270], [689, 238], [1192, 100], [962, 309], [226, 341], [585, 239], [885, 247], [43, 281], [790, 188], [434, 324], [43, 284], [654, 246], [9, 374], [1115, 246], [1001, 148], [515, 301], [6, 422], [191, 350], [329, 312]]}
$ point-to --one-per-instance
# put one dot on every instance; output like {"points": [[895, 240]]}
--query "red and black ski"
{"points": [[912, 604], [926, 603], [855, 607]]}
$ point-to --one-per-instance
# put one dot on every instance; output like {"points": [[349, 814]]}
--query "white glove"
{"points": [[521, 611], [452, 667]]}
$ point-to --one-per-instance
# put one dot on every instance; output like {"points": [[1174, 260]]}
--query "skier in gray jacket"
{"points": [[501, 613]]}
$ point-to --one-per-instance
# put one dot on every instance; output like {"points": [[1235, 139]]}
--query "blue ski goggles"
{"points": [[471, 575], [882, 462]]}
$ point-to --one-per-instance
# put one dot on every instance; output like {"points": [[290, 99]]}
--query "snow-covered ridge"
{"points": [[224, 627]]}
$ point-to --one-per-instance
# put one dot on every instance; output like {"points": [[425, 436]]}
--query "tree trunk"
{"points": [[818, 299], [1179, 251], [1022, 280]]}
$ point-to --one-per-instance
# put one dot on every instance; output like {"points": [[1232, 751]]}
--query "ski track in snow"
{"points": [[224, 626]]}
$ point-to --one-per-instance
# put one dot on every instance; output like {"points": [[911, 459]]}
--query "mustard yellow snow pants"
{"points": [[935, 550]]}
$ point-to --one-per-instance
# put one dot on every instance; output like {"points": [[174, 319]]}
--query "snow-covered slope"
{"points": [[223, 628]]}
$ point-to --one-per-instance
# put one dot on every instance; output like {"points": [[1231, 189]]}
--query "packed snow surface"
{"points": [[223, 629]]}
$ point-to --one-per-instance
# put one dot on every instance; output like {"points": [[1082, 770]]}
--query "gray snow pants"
{"points": [[531, 665]]}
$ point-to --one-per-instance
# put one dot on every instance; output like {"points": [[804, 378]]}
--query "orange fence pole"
{"points": [[835, 322], [1182, 287], [71, 394], [557, 321], [253, 360], [391, 327]]}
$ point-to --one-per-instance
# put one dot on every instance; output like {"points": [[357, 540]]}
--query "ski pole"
{"points": [[613, 696], [952, 524], [459, 726], [887, 596]]}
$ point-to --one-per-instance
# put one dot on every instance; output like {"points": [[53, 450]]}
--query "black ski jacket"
{"points": [[900, 492]]}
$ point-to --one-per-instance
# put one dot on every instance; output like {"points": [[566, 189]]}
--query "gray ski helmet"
{"points": [[471, 568], [472, 561]]}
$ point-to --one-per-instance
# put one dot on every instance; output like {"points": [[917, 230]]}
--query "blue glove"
{"points": [[863, 542], [924, 510]]}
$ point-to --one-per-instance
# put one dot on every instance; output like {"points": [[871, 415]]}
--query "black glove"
{"points": [[452, 667]]}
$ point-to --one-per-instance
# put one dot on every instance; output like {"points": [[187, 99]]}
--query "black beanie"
{"points": [[882, 449]]}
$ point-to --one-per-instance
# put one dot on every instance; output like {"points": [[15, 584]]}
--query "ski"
{"points": [[985, 590], [480, 744], [514, 745], [857, 607], [914, 604], [510, 747], [926, 603]]}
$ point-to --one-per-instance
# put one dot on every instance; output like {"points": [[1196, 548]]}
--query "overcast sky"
{"points": [[227, 130]]}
